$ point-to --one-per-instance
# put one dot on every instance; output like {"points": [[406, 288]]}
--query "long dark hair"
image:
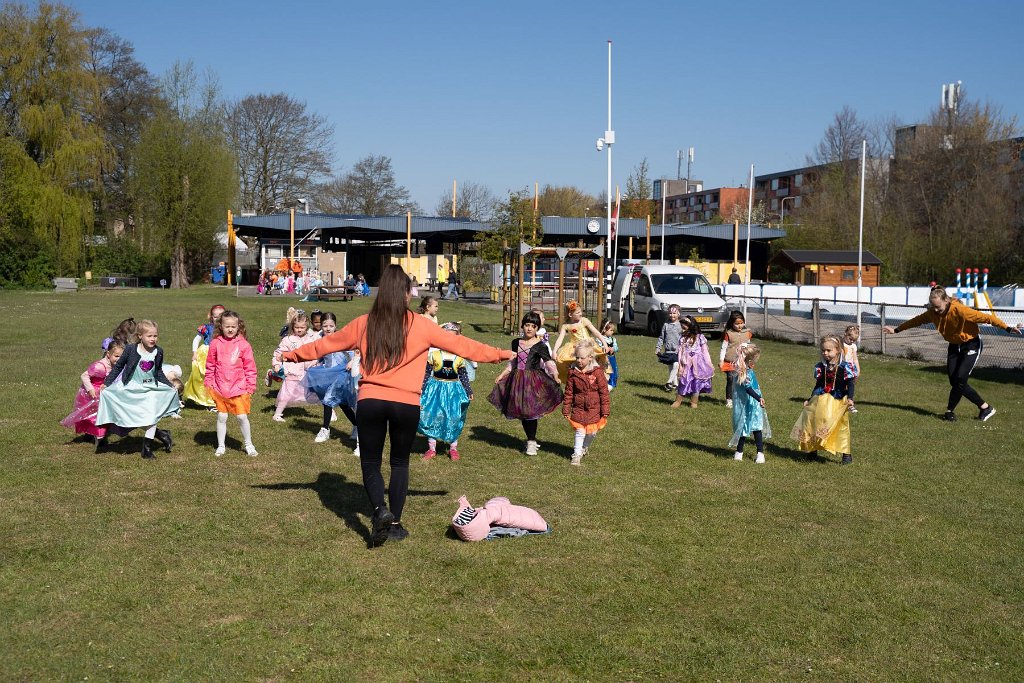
{"points": [[692, 328], [388, 321]]}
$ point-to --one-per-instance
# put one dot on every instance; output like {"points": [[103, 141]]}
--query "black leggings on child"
{"points": [[758, 441], [530, 427], [377, 419], [345, 408]]}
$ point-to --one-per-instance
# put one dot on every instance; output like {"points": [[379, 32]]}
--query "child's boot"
{"points": [[577, 458], [164, 437], [147, 450]]}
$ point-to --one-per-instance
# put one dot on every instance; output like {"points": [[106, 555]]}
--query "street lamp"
{"points": [[782, 204]]}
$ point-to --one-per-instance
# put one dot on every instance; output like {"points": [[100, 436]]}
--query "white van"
{"points": [[642, 294]]}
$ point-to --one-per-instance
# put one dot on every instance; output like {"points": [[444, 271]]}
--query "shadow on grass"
{"points": [[209, 439], [771, 450], [661, 399], [486, 329], [895, 406], [1002, 375], [644, 384], [344, 498], [515, 443]]}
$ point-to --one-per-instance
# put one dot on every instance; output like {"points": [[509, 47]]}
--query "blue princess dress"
{"points": [[140, 400], [444, 402], [331, 380], [748, 416]]}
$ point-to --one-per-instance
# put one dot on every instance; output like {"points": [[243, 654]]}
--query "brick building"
{"points": [[700, 205]]}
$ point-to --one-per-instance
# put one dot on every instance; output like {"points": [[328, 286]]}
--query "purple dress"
{"points": [[695, 364], [528, 392]]}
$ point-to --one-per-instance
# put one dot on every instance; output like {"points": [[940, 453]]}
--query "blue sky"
{"points": [[508, 94]]}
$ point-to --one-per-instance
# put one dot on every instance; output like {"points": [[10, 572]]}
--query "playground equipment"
{"points": [[532, 283], [974, 291]]}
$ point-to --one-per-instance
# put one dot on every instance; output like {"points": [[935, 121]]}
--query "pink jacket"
{"points": [[474, 525], [230, 367], [290, 343]]}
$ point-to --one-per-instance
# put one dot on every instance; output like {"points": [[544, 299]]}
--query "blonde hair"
{"points": [[855, 329], [145, 325], [609, 324], [746, 358], [940, 291], [584, 345], [178, 386], [289, 315]]}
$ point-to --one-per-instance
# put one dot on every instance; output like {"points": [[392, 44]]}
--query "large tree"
{"points": [[369, 189], [284, 151], [566, 201], [51, 151], [514, 221], [185, 176], [637, 202], [473, 200]]}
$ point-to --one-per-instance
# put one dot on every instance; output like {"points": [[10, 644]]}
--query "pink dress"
{"points": [[292, 392], [83, 418]]}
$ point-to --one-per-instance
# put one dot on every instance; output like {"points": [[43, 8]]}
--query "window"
{"points": [[775, 204], [848, 274], [775, 183], [643, 287], [674, 283], [798, 180]]}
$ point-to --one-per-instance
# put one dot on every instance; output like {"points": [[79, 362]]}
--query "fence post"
{"points": [[764, 308], [881, 329], [816, 320]]}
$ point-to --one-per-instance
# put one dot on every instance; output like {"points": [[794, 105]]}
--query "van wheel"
{"points": [[654, 323]]}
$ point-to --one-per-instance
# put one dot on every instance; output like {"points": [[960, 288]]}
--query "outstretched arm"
{"points": [[561, 336]]}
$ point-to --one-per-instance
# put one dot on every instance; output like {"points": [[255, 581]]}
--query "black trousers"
{"points": [[377, 419], [730, 382], [758, 441], [345, 408], [960, 362], [530, 427]]}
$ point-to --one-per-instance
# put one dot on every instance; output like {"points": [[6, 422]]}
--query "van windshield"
{"points": [[676, 283]]}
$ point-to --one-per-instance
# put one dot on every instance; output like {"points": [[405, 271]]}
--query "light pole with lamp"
{"points": [[782, 204], [607, 141]]}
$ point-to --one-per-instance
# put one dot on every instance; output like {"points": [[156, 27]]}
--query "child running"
{"points": [[695, 369], [444, 400], [608, 336], [292, 392], [195, 388], [586, 403], [577, 329], [824, 423], [850, 338], [137, 392], [334, 381], [667, 347], [87, 400], [231, 378], [734, 335], [527, 389], [748, 414]]}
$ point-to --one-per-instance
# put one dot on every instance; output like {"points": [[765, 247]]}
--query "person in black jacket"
{"points": [[137, 393]]}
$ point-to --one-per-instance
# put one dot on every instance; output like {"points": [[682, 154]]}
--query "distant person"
{"points": [[453, 285], [958, 325], [734, 278]]}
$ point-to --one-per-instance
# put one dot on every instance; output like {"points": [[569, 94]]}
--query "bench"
{"points": [[333, 293], [65, 284]]}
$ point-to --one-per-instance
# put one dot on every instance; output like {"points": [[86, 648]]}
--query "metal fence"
{"points": [[806, 322]]}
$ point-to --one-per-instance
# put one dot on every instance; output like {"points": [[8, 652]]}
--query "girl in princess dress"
{"points": [[137, 392], [195, 389], [87, 401], [444, 401], [292, 392], [695, 369], [824, 423], [576, 330], [749, 418], [335, 382]]}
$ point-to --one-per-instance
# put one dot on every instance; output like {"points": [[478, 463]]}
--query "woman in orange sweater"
{"points": [[958, 324], [394, 343]]}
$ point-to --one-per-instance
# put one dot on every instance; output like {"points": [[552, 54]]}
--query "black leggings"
{"points": [[530, 427], [960, 361], [758, 441], [377, 419], [345, 408], [730, 382]]}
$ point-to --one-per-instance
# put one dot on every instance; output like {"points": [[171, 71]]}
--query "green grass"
{"points": [[668, 560]]}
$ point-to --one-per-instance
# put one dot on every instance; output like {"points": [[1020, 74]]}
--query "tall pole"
{"points": [[291, 230], [750, 212], [662, 252], [648, 239], [608, 142], [231, 247], [408, 241], [860, 241], [453, 198]]}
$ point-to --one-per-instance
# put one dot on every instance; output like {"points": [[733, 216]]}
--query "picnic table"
{"points": [[333, 293]]}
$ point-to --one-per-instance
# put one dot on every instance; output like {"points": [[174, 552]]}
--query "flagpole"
{"points": [[860, 241], [750, 212]]}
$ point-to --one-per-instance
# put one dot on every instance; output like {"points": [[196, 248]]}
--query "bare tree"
{"points": [[369, 189], [473, 200], [637, 202], [284, 151], [566, 201], [842, 139]]}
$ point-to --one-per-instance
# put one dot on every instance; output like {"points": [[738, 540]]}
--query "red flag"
{"points": [[614, 225]]}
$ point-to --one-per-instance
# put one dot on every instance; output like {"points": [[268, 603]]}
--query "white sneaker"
{"points": [[356, 451], [738, 455], [323, 435], [219, 452], [334, 416], [760, 459], [250, 450], [278, 418], [576, 459], [728, 403], [532, 447]]}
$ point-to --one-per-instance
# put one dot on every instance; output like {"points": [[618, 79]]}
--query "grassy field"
{"points": [[668, 560]]}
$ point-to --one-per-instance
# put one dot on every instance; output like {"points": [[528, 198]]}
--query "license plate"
{"points": [[703, 318]]}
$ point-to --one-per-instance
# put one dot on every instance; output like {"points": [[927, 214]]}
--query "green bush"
{"points": [[26, 264]]}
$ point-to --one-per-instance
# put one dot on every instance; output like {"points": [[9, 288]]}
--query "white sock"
{"points": [[577, 446], [673, 374], [454, 445], [150, 431], [222, 429], [243, 423], [431, 444]]}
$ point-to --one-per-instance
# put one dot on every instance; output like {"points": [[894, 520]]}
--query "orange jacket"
{"points": [[957, 325], [403, 382]]}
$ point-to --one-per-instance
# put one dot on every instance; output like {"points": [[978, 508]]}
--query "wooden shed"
{"points": [[824, 267]]}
